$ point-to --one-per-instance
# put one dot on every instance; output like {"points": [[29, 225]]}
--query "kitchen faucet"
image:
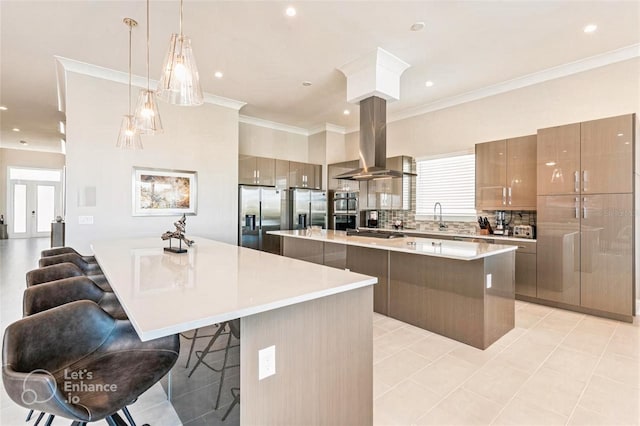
{"points": [[441, 225]]}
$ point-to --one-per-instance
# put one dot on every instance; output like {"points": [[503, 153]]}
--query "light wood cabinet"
{"points": [[506, 174], [304, 175], [585, 240], [343, 184], [256, 170]]}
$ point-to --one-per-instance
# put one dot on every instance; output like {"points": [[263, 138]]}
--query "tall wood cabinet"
{"points": [[506, 174], [585, 214]]}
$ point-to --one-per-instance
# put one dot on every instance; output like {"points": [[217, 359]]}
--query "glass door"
{"points": [[34, 201]]}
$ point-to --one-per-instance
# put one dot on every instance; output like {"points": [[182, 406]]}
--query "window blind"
{"points": [[448, 180]]}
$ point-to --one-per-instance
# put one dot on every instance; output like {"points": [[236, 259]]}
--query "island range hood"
{"points": [[373, 143]]}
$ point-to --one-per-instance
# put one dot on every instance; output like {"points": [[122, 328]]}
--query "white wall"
{"points": [[204, 139], [266, 142], [602, 92], [24, 158]]}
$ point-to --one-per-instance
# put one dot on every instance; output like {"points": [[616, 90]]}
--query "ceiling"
{"points": [[265, 55]]}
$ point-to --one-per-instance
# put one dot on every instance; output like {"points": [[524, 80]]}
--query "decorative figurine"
{"points": [[178, 234]]}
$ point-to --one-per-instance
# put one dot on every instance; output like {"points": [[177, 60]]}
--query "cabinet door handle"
{"points": [[584, 180], [584, 208], [577, 209], [576, 186], [504, 196], [509, 195]]}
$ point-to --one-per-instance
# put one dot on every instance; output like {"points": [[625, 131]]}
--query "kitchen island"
{"points": [[462, 290], [317, 318]]}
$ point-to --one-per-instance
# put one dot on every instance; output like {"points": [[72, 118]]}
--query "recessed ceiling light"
{"points": [[418, 26], [306, 83], [429, 83], [346, 112], [550, 163], [24, 143], [218, 74], [3, 108], [291, 11], [590, 28], [626, 143], [620, 134], [15, 129]]}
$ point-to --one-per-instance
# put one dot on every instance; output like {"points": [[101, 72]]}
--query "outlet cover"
{"points": [[266, 362], [85, 220]]}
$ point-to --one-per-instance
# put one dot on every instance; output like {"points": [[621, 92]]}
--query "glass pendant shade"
{"points": [[147, 117], [129, 138], [180, 82]]}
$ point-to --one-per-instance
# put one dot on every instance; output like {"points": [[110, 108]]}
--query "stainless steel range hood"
{"points": [[373, 143]]}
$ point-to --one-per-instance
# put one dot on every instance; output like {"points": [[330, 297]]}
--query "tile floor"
{"points": [[555, 367]]}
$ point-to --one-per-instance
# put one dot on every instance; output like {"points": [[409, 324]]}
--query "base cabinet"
{"points": [[375, 263]]}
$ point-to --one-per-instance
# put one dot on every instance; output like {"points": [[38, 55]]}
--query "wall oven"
{"points": [[344, 210]]}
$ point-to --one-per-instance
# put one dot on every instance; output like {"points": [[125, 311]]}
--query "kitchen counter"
{"points": [[458, 250], [462, 290], [454, 234], [291, 306]]}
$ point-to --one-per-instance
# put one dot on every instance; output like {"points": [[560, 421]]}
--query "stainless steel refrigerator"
{"points": [[260, 209], [304, 208]]}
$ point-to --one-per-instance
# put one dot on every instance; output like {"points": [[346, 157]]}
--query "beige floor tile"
{"points": [[597, 325], [625, 342], [584, 339], [511, 336], [538, 309], [556, 391], [388, 323], [378, 331], [612, 399], [566, 315], [378, 317], [526, 319], [525, 355], [521, 412], [584, 417], [398, 339], [559, 323], [578, 365], [434, 347], [619, 368], [379, 388], [398, 367], [473, 408], [406, 402], [444, 374], [544, 335], [476, 356], [441, 416], [496, 382], [379, 354]]}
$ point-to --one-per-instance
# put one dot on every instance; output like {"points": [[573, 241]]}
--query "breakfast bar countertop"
{"points": [[424, 246]]}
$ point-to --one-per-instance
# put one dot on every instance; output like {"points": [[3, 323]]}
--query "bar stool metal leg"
{"points": [[236, 400]]}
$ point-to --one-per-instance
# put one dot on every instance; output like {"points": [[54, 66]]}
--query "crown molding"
{"points": [[273, 125], [582, 65], [65, 65], [328, 127]]}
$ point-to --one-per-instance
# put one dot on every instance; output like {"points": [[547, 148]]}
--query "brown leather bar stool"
{"points": [[66, 250], [52, 294], [60, 271], [39, 351], [86, 267]]}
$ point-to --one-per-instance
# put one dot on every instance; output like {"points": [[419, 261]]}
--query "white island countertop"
{"points": [[458, 250], [167, 293]]}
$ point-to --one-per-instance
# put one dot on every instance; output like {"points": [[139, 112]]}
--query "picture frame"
{"points": [[164, 192]]}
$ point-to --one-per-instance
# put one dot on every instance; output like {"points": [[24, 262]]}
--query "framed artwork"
{"points": [[162, 192]]}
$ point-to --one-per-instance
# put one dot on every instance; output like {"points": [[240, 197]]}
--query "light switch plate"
{"points": [[266, 362]]}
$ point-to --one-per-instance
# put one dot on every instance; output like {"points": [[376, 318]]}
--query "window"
{"points": [[449, 180]]}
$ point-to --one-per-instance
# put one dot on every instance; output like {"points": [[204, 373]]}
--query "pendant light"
{"points": [[147, 114], [129, 138], [180, 82]]}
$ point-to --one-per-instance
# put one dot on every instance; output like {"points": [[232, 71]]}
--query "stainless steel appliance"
{"points": [[343, 210], [304, 208], [524, 231], [500, 224], [369, 218], [259, 208]]}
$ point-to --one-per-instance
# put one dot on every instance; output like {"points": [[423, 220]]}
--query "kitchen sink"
{"points": [[375, 234]]}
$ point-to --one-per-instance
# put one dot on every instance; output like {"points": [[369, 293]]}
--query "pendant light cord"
{"points": [[148, 85], [180, 18], [130, 28]]}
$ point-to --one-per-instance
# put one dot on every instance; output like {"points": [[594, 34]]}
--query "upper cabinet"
{"points": [[256, 170], [343, 184], [305, 175], [594, 157], [506, 174]]}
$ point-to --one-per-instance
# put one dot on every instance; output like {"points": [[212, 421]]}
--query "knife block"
{"points": [[484, 232]]}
